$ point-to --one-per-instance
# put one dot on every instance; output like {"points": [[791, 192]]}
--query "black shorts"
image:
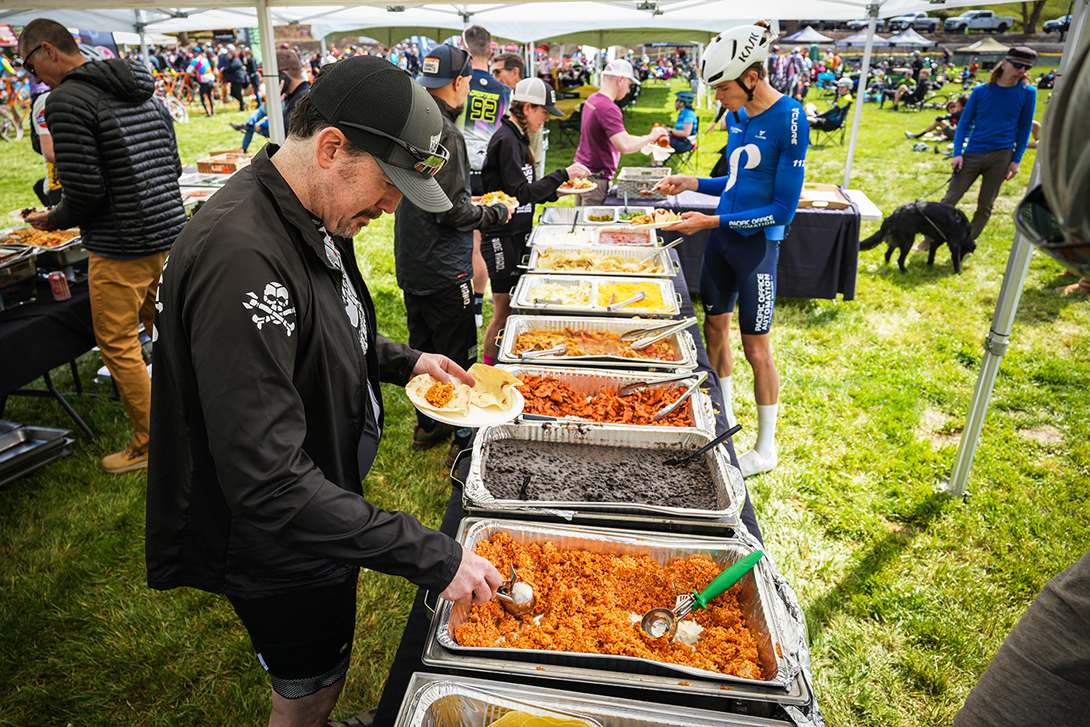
{"points": [[303, 639], [502, 256], [444, 323], [476, 186]]}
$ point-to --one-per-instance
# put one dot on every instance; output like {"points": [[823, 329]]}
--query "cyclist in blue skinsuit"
{"points": [[766, 152]]}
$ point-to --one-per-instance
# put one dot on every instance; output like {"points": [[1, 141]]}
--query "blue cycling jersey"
{"points": [[767, 158]]}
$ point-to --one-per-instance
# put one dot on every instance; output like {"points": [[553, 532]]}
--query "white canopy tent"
{"points": [[808, 35], [910, 37], [861, 37], [558, 21]]}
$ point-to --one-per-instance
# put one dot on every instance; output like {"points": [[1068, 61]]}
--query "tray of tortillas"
{"points": [[823, 196], [493, 399]]}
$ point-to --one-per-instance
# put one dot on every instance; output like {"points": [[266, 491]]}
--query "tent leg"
{"points": [[861, 91], [270, 73]]}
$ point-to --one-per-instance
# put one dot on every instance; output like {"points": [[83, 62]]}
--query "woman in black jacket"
{"points": [[509, 167]]}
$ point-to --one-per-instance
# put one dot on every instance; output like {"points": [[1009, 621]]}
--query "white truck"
{"points": [[917, 21], [978, 20]]}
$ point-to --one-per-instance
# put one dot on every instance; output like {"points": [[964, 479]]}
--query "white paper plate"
{"points": [[479, 417], [649, 149], [651, 225], [561, 190]]}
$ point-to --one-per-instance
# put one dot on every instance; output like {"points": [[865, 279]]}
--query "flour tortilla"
{"points": [[417, 390], [493, 388]]}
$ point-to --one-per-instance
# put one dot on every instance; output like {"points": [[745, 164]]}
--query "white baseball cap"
{"points": [[536, 91], [622, 68]]}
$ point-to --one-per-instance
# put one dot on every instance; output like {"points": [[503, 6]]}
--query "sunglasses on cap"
{"points": [[26, 61], [1035, 220], [1019, 66], [426, 162]]}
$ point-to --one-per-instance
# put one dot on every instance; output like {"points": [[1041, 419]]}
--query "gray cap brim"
{"points": [[553, 110], [422, 190]]}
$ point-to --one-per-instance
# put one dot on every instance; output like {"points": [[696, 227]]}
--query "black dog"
{"points": [[935, 220]]}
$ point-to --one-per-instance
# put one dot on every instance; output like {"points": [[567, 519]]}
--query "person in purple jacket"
{"points": [[997, 122]]}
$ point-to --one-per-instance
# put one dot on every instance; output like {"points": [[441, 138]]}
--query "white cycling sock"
{"points": [[762, 457], [766, 429], [728, 402]]}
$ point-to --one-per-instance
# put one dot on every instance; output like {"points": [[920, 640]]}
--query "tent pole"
{"points": [[270, 73], [1006, 307], [143, 37], [861, 92]]}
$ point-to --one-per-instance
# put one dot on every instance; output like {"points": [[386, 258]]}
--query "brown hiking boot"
{"points": [[126, 461], [428, 438]]}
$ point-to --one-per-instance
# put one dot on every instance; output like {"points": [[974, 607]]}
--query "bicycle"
{"points": [[15, 96], [175, 107]]}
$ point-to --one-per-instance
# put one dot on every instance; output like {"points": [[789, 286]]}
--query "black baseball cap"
{"points": [[443, 64], [383, 111]]}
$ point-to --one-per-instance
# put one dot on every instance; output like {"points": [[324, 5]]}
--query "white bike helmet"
{"points": [[1055, 216], [733, 51]]}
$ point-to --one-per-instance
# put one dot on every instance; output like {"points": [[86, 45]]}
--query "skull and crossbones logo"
{"points": [[275, 305]]}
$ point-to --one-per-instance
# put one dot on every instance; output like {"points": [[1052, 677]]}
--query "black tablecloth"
{"points": [[414, 639], [818, 259], [38, 336]]}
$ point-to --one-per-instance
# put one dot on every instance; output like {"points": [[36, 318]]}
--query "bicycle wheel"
{"points": [[177, 109], [938, 101], [10, 128]]}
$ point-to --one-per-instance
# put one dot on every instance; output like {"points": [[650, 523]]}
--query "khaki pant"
{"points": [[992, 169], [123, 295]]}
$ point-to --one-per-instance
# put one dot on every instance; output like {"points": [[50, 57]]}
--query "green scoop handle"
{"points": [[726, 579]]}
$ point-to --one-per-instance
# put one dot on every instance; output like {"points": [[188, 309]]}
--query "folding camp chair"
{"points": [[826, 127], [686, 159]]}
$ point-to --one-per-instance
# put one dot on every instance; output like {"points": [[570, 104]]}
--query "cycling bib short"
{"points": [[741, 271]]}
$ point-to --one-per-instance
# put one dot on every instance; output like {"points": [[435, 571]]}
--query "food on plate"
{"points": [[552, 397], [28, 211], [439, 394], [585, 343], [623, 291], [494, 198], [577, 472], [427, 393], [492, 389], [656, 217], [200, 193], [551, 258], [40, 238], [622, 237], [564, 294], [584, 599], [575, 184]]}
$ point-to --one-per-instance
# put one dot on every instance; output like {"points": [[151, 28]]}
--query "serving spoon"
{"points": [[659, 622]]}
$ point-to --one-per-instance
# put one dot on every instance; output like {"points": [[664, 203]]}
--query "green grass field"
{"points": [[907, 593]]}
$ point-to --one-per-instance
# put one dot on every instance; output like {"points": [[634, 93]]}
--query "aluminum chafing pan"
{"points": [[727, 484], [549, 235], [558, 216], [758, 592], [662, 257], [522, 299], [585, 214], [590, 382], [435, 700], [19, 266], [55, 258], [681, 343]]}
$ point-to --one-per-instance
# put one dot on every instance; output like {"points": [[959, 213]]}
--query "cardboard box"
{"points": [[824, 196]]}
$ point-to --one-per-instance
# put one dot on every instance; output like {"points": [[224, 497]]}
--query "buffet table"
{"points": [[818, 259], [41, 335], [415, 639]]}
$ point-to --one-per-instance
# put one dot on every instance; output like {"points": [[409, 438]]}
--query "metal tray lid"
{"points": [[428, 696]]}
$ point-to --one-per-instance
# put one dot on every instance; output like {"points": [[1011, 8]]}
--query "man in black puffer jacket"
{"points": [[117, 161]]}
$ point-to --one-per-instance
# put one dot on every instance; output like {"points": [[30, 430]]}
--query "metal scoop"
{"points": [[659, 622], [556, 351], [669, 408], [630, 389], [652, 256], [617, 306], [516, 597]]}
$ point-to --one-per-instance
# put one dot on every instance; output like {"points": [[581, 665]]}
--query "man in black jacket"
{"points": [[268, 410], [117, 161], [434, 252], [234, 72]]}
